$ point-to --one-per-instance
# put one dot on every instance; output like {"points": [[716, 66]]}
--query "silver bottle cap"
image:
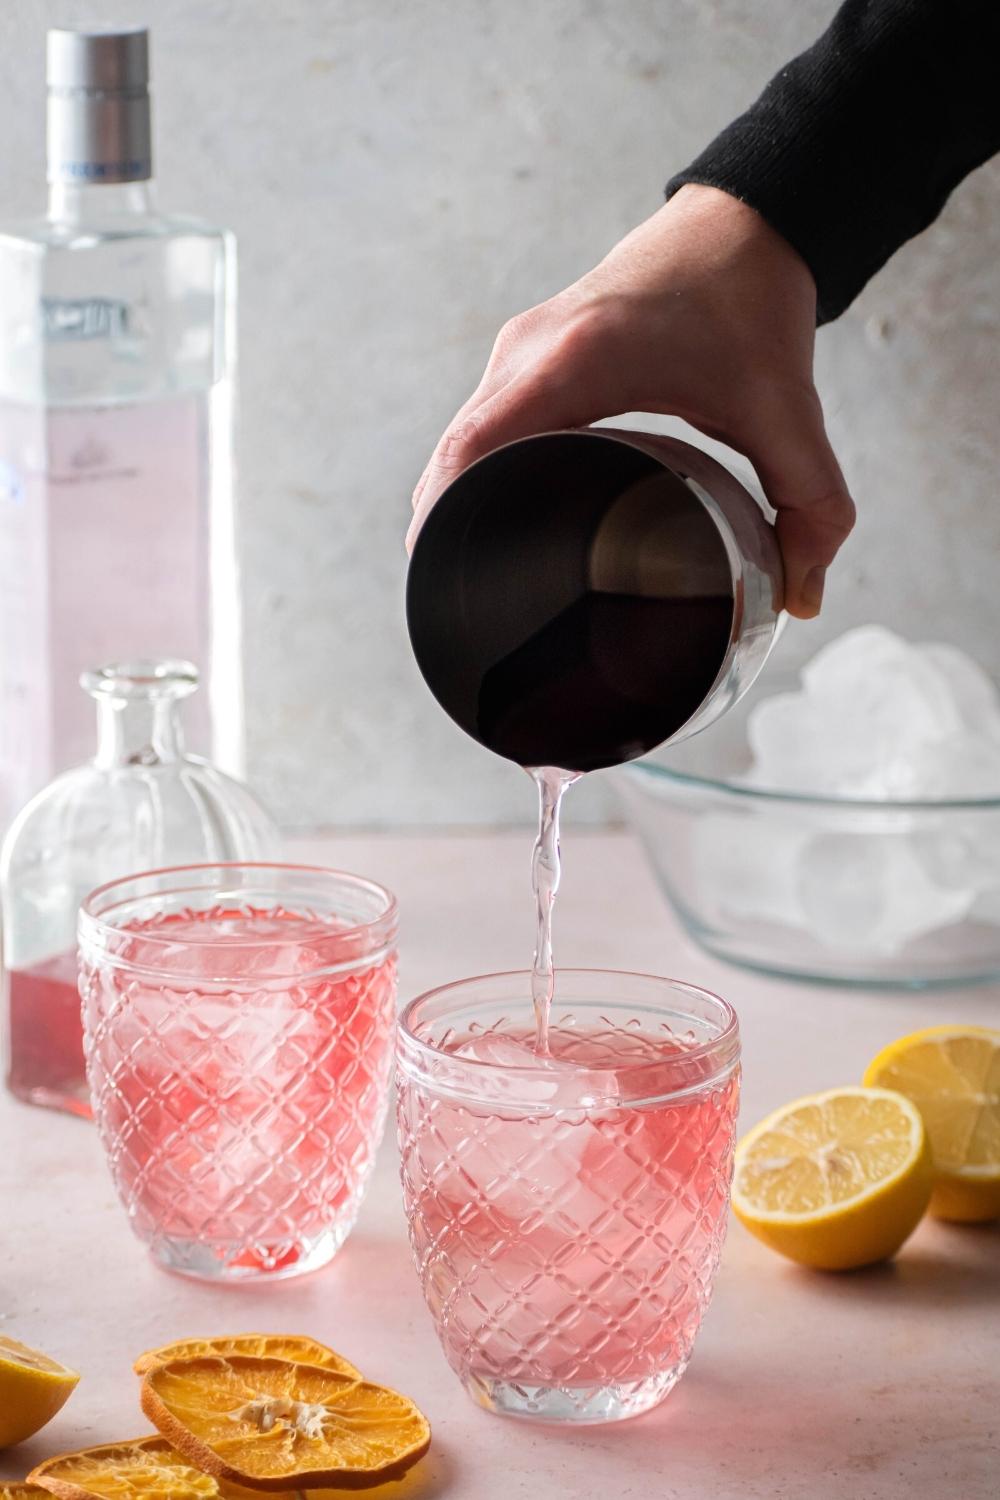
{"points": [[98, 109]]}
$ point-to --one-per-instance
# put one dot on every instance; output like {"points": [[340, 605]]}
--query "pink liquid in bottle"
{"points": [[45, 1039]]}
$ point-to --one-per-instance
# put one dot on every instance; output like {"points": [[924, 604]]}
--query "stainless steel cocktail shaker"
{"points": [[577, 598]]}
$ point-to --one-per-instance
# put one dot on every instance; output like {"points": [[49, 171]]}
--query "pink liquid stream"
{"points": [[546, 872]]}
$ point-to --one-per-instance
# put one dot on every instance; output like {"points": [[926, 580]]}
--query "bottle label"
{"points": [[103, 557], [69, 319]]}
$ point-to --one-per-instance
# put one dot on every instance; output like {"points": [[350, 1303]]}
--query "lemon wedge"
{"points": [[835, 1180], [952, 1075], [32, 1389]]}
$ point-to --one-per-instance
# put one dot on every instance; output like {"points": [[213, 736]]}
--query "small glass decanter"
{"points": [[140, 804]]}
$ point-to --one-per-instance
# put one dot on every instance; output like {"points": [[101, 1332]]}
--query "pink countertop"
{"points": [[879, 1385]]}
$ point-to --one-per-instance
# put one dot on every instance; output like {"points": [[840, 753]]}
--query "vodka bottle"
{"points": [[116, 364]]}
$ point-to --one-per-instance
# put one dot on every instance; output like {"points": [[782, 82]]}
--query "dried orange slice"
{"points": [[228, 1491], [293, 1346], [142, 1467], [390, 1490], [146, 1466], [272, 1424], [414, 1485]]}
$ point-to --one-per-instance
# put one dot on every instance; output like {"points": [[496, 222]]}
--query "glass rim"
{"points": [[723, 1048], [94, 923], [637, 769]]}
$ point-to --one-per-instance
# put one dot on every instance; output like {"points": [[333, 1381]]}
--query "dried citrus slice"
{"points": [[836, 1180], [229, 1491], [142, 1467], [272, 1424], [293, 1346], [32, 1389], [952, 1074], [391, 1490]]}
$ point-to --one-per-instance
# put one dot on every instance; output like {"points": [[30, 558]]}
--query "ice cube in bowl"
{"points": [[782, 848]]}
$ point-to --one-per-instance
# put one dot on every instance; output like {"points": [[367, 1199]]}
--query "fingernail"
{"points": [[812, 587]]}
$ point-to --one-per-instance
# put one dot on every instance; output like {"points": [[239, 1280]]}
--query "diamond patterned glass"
{"points": [[238, 1029], [567, 1217]]}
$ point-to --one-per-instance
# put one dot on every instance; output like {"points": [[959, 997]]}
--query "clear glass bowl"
{"points": [[826, 889]]}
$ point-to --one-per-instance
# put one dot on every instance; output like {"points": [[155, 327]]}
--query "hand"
{"points": [[705, 312]]}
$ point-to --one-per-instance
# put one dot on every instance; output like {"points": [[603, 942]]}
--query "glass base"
{"points": [[71, 1100], [239, 1264], [576, 1405], [955, 971]]}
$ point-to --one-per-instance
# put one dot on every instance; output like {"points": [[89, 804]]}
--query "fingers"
{"points": [[802, 480], [465, 439], [460, 444], [521, 409]]}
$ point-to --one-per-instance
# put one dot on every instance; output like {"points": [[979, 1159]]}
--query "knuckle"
{"points": [[819, 524], [462, 442], [512, 340], [842, 512], [832, 510], [590, 334], [516, 330], [419, 488]]}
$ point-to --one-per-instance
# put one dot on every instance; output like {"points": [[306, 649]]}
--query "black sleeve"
{"points": [[855, 145]]}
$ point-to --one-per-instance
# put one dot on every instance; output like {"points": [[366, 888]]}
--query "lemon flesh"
{"points": [[32, 1389], [952, 1075], [836, 1180]]}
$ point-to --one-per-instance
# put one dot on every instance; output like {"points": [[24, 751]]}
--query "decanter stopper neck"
{"points": [[138, 722]]}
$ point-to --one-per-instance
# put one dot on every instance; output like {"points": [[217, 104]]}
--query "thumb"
{"points": [[803, 481]]}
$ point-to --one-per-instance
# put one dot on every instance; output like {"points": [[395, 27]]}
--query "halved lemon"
{"points": [[32, 1389], [835, 1180], [293, 1346], [272, 1424], [952, 1075], [142, 1467]]}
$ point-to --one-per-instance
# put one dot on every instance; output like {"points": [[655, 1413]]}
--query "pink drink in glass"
{"points": [[238, 1030], [567, 1212]]}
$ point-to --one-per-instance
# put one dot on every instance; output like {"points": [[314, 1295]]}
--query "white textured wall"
{"points": [[405, 174]]}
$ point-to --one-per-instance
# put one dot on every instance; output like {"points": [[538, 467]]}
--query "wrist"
{"points": [[734, 223]]}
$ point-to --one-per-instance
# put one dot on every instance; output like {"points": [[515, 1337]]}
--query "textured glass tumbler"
{"points": [[567, 1213], [238, 1028]]}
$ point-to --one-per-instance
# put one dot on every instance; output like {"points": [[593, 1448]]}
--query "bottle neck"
{"points": [[138, 732], [100, 202]]}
